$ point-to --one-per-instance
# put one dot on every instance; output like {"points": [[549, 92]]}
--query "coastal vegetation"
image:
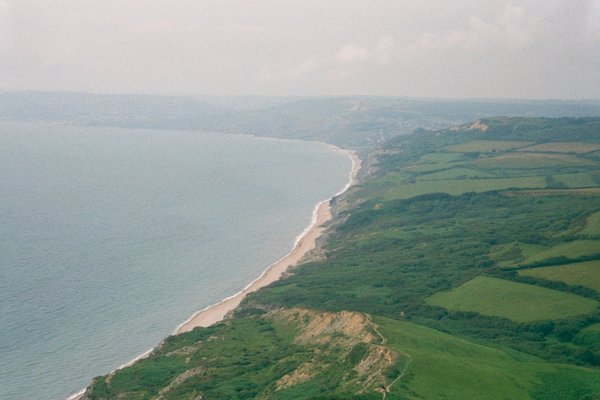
{"points": [[582, 274], [516, 301], [287, 354], [463, 265]]}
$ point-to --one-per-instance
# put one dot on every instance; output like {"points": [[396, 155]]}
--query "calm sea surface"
{"points": [[109, 238]]}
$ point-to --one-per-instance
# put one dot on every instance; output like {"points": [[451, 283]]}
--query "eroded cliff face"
{"points": [[350, 335], [280, 354]]}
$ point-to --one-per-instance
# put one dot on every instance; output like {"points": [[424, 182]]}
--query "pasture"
{"points": [[511, 254], [531, 160], [583, 274], [564, 147], [589, 336], [455, 173], [486, 146], [516, 301], [443, 366], [440, 157], [419, 168], [573, 250], [576, 180], [555, 192], [460, 186], [592, 225]]}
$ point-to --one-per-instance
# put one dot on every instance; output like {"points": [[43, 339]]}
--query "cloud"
{"points": [[341, 65], [5, 39], [512, 29], [515, 28], [351, 53], [308, 66], [593, 22], [289, 70], [383, 51], [510, 48]]}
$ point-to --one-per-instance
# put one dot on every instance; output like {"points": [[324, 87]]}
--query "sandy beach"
{"points": [[304, 244], [218, 311]]}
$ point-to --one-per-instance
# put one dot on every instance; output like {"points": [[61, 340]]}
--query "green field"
{"points": [[443, 275], [419, 168], [592, 225], [531, 160], [590, 337], [459, 186], [392, 179], [584, 274], [564, 147], [556, 192], [440, 157], [484, 146], [512, 254], [455, 173], [389, 256], [572, 250], [443, 366], [576, 180], [512, 300]]}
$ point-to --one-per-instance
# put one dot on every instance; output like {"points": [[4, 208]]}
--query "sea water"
{"points": [[109, 238]]}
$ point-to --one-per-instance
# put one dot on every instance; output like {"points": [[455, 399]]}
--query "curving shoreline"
{"points": [[304, 243]]}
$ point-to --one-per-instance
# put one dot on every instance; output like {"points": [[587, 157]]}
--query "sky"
{"points": [[419, 48]]}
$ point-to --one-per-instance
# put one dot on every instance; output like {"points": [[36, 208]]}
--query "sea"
{"points": [[110, 238]]}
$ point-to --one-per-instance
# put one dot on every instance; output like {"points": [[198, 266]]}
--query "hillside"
{"points": [[355, 122], [466, 264]]}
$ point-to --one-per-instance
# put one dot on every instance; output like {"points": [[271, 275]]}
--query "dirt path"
{"points": [[387, 388]]}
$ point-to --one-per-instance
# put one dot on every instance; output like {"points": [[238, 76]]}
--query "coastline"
{"points": [[305, 242], [303, 245]]}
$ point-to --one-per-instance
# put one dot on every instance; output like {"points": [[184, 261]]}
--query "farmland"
{"points": [[473, 252], [517, 301], [444, 366], [531, 160], [460, 186], [488, 165], [592, 226], [572, 250], [585, 274], [565, 147], [485, 146]]}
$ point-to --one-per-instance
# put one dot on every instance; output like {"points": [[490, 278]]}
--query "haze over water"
{"points": [[109, 238]]}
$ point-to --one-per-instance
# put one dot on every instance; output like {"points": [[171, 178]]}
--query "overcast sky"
{"points": [[423, 48]]}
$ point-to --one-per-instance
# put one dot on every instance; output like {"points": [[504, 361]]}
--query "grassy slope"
{"points": [[250, 357], [564, 147], [445, 366], [517, 301], [286, 354], [584, 274], [389, 252], [574, 249], [592, 225], [460, 186], [485, 146]]}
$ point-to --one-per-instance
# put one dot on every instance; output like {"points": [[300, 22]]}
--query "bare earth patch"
{"points": [[334, 331], [477, 125]]}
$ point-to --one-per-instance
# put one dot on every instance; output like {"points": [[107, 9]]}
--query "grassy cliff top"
{"points": [[449, 272]]}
